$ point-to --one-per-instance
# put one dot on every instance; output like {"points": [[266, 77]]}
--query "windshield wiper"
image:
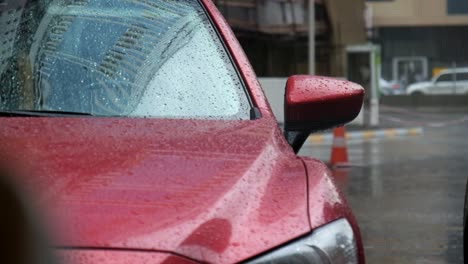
{"points": [[49, 113]]}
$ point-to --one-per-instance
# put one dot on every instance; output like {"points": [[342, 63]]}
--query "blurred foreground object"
{"points": [[22, 240]]}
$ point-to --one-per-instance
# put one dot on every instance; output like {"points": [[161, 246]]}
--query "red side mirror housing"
{"points": [[313, 103]]}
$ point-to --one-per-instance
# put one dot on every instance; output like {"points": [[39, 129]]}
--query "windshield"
{"points": [[151, 58]]}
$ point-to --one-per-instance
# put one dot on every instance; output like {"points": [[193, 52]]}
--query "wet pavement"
{"points": [[408, 192]]}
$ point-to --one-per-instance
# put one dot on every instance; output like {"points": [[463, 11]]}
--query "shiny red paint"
{"points": [[312, 100], [215, 191], [118, 257], [131, 190], [327, 202]]}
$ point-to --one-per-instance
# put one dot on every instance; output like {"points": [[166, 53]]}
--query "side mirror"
{"points": [[313, 103]]}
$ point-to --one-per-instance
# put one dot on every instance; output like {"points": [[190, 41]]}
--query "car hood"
{"points": [[217, 191]]}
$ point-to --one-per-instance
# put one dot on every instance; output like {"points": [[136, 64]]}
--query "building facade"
{"points": [[419, 37], [274, 33]]}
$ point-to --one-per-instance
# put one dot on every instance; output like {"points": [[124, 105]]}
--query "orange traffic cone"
{"points": [[339, 153]]}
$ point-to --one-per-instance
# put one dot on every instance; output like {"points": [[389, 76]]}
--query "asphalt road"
{"points": [[408, 192]]}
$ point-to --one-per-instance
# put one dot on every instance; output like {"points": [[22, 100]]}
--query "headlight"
{"points": [[333, 243]]}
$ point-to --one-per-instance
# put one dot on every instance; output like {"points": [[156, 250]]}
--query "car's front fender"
{"points": [[326, 202]]}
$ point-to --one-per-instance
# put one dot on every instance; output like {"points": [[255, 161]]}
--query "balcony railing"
{"points": [[272, 16]]}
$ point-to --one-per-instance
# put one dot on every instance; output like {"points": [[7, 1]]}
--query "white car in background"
{"points": [[390, 87], [452, 81]]}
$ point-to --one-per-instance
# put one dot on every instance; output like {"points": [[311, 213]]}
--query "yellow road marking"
{"points": [[368, 134], [390, 132], [414, 131], [316, 138]]}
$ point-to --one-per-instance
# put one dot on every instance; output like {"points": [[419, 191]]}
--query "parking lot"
{"points": [[407, 192]]}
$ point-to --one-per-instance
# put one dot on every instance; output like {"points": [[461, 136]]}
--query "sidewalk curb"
{"points": [[368, 134]]}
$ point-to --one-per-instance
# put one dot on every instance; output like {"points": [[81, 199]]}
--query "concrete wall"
{"points": [[413, 13]]}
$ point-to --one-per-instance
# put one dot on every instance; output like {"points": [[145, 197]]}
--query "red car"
{"points": [[146, 138]]}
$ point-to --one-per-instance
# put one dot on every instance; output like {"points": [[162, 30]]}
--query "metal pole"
{"points": [[454, 77], [374, 99], [311, 37]]}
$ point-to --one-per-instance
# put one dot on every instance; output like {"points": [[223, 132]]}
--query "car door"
{"points": [[462, 83], [444, 84]]}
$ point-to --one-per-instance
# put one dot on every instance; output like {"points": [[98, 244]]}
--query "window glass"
{"points": [[152, 58], [462, 76], [455, 7], [445, 78]]}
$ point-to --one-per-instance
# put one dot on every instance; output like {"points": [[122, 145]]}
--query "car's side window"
{"points": [[462, 76], [445, 78]]}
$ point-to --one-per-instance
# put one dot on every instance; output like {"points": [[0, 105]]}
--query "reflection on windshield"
{"points": [[116, 57]]}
